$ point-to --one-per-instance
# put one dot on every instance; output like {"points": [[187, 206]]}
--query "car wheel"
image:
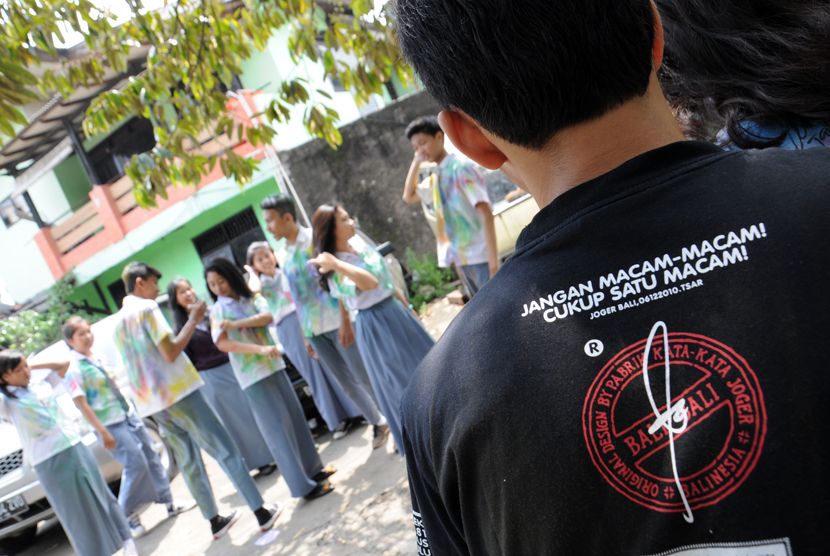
{"points": [[19, 541], [162, 448]]}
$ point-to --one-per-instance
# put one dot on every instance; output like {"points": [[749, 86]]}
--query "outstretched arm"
{"points": [[171, 349], [95, 422], [60, 367], [363, 279], [232, 346]]}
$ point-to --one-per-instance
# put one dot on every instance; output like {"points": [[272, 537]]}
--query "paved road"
{"points": [[369, 512]]}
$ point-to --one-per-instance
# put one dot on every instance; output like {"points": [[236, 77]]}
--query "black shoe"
{"points": [[320, 490], [324, 474], [220, 524], [266, 470], [267, 517], [342, 429]]}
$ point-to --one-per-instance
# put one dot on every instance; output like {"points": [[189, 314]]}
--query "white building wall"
{"points": [[22, 266]]}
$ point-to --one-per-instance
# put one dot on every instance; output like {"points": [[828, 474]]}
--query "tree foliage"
{"points": [[31, 331], [196, 45]]}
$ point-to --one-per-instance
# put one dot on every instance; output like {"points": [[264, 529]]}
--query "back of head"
{"points": [[424, 124], [729, 62], [136, 270], [229, 271], [526, 69], [324, 223], [281, 203]]}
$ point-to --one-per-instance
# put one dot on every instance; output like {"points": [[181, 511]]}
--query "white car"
{"points": [[23, 502]]}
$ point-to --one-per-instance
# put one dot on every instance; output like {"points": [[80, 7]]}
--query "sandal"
{"points": [[324, 474], [320, 490]]}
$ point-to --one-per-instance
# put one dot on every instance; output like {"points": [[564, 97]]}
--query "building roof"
{"points": [[46, 128]]}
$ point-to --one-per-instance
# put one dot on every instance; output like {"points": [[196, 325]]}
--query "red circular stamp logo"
{"points": [[691, 452]]}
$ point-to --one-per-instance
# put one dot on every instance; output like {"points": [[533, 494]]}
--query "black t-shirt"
{"points": [[203, 353], [529, 429]]}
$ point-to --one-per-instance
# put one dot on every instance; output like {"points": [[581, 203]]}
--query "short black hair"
{"points": [[526, 69], [281, 203], [136, 270], [424, 124], [230, 272]]}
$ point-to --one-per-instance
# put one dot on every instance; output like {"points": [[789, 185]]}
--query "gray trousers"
{"points": [[143, 479], [190, 424], [279, 417], [347, 367]]}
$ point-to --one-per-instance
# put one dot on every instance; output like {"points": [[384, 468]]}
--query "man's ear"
{"points": [[469, 139], [657, 52]]}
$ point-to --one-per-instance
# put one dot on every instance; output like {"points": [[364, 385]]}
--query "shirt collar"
{"points": [[225, 301], [265, 279], [132, 300], [446, 162]]}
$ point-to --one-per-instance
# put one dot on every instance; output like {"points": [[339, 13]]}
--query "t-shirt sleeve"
{"points": [[216, 317], [75, 381], [474, 186], [435, 533], [261, 304], [156, 325]]}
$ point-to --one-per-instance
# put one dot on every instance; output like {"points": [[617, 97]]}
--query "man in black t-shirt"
{"points": [[647, 374]]}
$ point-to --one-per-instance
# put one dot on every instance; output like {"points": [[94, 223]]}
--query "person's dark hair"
{"points": [[253, 248], [136, 270], [324, 223], [229, 271], [9, 360], [180, 315], [70, 326], [526, 69], [424, 124], [730, 62], [281, 203]]}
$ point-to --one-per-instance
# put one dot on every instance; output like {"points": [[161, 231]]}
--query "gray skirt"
{"points": [[329, 397], [392, 343], [229, 401], [87, 509]]}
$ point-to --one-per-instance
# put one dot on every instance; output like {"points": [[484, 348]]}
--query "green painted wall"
{"points": [[259, 72], [175, 255], [73, 180]]}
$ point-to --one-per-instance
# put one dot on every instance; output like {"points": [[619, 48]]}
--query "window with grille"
{"points": [[230, 239]]}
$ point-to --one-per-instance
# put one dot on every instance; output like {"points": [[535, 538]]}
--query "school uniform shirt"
{"points": [[156, 384], [278, 295], [318, 311], [647, 374], [249, 368], [43, 427], [343, 288], [85, 378], [459, 187], [797, 137]]}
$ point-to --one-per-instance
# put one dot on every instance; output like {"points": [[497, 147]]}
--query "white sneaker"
{"points": [[137, 530], [342, 429], [177, 507], [130, 551]]}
